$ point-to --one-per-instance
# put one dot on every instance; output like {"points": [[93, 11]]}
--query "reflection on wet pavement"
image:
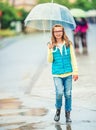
{"points": [[32, 112], [15, 123], [32, 126], [68, 126], [12, 107], [35, 112], [27, 127], [10, 103], [13, 103], [43, 125], [58, 126]]}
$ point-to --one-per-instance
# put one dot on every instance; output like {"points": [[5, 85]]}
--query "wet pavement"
{"points": [[27, 95]]}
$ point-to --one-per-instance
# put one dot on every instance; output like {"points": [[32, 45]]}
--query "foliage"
{"points": [[9, 14], [7, 32], [22, 14], [62, 2], [94, 4], [83, 4]]}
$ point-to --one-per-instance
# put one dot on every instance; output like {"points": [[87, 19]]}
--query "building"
{"points": [[25, 4]]}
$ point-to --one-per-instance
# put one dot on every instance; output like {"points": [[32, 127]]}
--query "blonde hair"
{"points": [[64, 36]]}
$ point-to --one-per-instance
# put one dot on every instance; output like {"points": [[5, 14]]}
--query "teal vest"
{"points": [[61, 63]]}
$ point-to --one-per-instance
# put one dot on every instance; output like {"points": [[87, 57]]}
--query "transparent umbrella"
{"points": [[44, 16], [77, 12], [91, 13]]}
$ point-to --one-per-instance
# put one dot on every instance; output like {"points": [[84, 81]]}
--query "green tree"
{"points": [[83, 4], [62, 2], [22, 15], [93, 4], [8, 14]]}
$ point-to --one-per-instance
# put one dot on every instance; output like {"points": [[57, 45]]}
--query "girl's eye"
{"points": [[58, 31]]}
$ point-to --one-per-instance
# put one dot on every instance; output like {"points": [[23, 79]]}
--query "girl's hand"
{"points": [[75, 77], [50, 46]]}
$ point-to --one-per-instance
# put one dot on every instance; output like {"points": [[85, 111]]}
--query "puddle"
{"points": [[35, 112], [59, 127], [86, 121], [43, 126], [10, 103], [13, 103], [32, 126], [15, 123], [31, 112]]}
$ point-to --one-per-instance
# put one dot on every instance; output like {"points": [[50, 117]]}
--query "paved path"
{"points": [[35, 110]]}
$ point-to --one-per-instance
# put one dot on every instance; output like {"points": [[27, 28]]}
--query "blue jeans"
{"points": [[63, 86]]}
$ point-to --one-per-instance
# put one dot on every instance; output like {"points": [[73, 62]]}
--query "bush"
{"points": [[7, 33], [9, 14]]}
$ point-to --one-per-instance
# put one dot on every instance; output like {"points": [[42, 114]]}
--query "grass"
{"points": [[7, 33]]}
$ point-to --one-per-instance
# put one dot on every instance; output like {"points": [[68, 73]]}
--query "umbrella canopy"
{"points": [[91, 13], [76, 12], [44, 16]]}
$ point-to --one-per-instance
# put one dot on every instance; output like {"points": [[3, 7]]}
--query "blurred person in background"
{"points": [[80, 33]]}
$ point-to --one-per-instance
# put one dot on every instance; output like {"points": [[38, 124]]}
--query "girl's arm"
{"points": [[50, 55], [74, 63]]}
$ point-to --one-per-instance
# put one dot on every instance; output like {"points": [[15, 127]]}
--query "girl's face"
{"points": [[58, 32]]}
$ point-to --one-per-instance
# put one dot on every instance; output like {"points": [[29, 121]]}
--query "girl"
{"points": [[62, 57]]}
